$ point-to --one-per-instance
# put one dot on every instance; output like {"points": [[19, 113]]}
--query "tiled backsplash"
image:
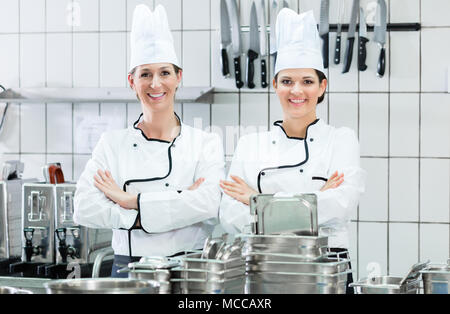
{"points": [[402, 119]]}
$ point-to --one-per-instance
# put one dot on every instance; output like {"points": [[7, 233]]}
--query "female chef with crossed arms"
{"points": [[156, 184], [302, 154]]}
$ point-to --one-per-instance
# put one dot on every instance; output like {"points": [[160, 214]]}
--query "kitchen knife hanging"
{"points": [[253, 51], [362, 51], [324, 30], [225, 37], [275, 8], [337, 49], [380, 36], [236, 42], [351, 37], [260, 9]]}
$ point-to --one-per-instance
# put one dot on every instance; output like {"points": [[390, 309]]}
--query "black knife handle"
{"points": [[381, 63], [225, 67], [325, 47], [337, 50], [237, 72], [251, 56], [348, 54], [362, 53], [263, 73]]}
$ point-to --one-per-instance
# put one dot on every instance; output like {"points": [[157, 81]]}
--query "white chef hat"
{"points": [[298, 41], [151, 39]]}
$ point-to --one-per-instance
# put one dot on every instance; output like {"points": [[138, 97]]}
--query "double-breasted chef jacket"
{"points": [[173, 219], [272, 162]]}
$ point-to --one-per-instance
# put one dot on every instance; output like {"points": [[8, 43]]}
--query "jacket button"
{"points": [[263, 173], [134, 145], [311, 140], [173, 145], [301, 170], [167, 184], [274, 142]]}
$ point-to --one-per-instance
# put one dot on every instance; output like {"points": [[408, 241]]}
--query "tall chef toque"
{"points": [[151, 39], [298, 41]]}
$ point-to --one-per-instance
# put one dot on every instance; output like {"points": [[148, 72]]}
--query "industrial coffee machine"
{"points": [[10, 214], [54, 246], [76, 246]]}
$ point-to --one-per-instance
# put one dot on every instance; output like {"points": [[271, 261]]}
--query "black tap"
{"points": [[64, 249], [30, 249]]}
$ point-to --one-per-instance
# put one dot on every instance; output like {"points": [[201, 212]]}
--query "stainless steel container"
{"points": [[386, 285], [275, 215], [224, 274], [155, 268], [101, 286], [75, 243], [436, 279], [256, 287], [305, 248]]}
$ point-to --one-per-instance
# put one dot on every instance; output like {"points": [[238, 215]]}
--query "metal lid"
{"points": [[154, 262], [414, 272]]}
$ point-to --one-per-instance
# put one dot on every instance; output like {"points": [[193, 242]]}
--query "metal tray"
{"points": [[205, 274], [252, 287], [194, 261], [287, 240], [288, 277], [297, 213], [195, 286], [322, 266], [385, 285]]}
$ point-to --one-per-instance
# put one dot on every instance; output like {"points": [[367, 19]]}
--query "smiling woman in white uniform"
{"points": [[156, 184], [302, 154]]}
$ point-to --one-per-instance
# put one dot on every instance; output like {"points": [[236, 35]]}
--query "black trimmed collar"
{"points": [[279, 122], [155, 139]]}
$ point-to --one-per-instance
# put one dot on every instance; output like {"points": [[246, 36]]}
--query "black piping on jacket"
{"points": [[128, 182], [278, 123]]}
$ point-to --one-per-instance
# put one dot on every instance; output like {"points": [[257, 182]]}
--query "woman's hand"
{"points": [[105, 183], [239, 190], [196, 184], [333, 182]]}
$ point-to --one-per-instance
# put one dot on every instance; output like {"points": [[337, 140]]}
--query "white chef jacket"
{"points": [[272, 162], [173, 219]]}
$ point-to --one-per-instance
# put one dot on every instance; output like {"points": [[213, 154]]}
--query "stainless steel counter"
{"points": [[35, 285]]}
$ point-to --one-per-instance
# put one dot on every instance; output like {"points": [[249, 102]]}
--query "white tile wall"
{"points": [[404, 189], [403, 248], [9, 17], [373, 205], [59, 60], [374, 115], [404, 118], [404, 215]]}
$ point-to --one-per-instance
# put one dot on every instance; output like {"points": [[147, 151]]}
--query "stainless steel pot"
{"points": [[386, 285], [436, 279], [101, 286]]}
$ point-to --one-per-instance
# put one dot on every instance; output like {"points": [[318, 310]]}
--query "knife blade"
{"points": [[351, 37], [253, 51], [273, 39], [362, 52], [380, 36], [337, 49], [260, 8], [225, 37], [324, 29], [236, 41]]}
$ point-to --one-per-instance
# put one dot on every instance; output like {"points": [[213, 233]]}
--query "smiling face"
{"points": [[299, 91], [155, 85]]}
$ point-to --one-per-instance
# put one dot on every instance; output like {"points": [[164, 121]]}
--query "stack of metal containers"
{"points": [[284, 253], [218, 269]]}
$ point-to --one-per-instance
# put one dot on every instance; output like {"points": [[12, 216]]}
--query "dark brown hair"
{"points": [[321, 78]]}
